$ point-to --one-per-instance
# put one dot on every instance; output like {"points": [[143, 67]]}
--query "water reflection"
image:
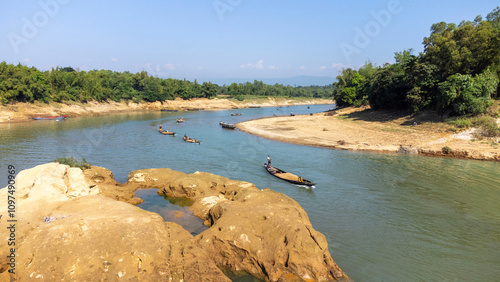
{"points": [[172, 210]]}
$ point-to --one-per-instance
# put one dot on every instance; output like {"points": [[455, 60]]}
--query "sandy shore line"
{"points": [[22, 112], [361, 129]]}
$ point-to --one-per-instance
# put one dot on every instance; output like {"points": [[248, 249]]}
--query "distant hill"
{"points": [[302, 80]]}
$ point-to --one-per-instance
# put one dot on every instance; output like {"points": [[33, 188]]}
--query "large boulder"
{"points": [[261, 232], [63, 232]]}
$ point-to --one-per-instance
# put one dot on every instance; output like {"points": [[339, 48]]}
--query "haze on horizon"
{"points": [[218, 40]]}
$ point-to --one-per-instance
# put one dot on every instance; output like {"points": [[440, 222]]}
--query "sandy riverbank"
{"points": [[365, 130], [22, 112]]}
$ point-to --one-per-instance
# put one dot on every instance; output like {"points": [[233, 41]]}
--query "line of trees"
{"points": [[19, 83], [458, 72]]}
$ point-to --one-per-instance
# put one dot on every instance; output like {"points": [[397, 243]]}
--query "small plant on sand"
{"points": [[73, 162], [447, 150]]}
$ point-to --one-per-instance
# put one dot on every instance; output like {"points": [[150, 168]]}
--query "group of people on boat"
{"points": [[186, 138]]}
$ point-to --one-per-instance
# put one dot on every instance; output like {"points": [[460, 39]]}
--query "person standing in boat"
{"points": [[268, 160], [161, 126]]}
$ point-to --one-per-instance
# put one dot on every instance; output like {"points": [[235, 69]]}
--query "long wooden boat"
{"points": [[187, 139], [51, 118], [166, 132], [226, 125], [237, 114], [292, 178]]}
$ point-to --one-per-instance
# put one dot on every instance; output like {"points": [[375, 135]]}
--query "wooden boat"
{"points": [[292, 178], [166, 132], [179, 120], [51, 118], [190, 140], [292, 114], [166, 110], [236, 114], [226, 125]]}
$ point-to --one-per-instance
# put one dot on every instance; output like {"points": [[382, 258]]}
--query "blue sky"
{"points": [[214, 39]]}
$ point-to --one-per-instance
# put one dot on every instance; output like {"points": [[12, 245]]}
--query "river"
{"points": [[386, 217]]}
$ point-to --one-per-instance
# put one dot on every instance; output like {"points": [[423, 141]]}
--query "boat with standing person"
{"points": [[289, 177]]}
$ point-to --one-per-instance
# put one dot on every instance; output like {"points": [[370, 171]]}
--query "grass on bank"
{"points": [[487, 123], [74, 162]]}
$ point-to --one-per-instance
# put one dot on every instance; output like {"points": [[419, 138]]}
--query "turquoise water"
{"points": [[386, 217]]}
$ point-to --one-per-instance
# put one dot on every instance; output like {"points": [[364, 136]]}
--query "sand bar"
{"points": [[362, 129]]}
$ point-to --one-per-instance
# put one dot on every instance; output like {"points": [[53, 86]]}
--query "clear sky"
{"points": [[213, 39]]}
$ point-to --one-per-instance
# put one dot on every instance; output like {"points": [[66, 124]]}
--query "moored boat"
{"points": [[226, 125], [289, 177], [51, 118], [237, 114]]}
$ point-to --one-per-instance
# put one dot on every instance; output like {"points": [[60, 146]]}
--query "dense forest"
{"points": [[19, 83], [457, 72]]}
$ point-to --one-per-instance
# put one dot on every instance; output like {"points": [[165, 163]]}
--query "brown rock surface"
{"points": [[65, 231], [262, 232]]}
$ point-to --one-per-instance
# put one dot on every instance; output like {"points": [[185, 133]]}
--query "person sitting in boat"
{"points": [[185, 137]]}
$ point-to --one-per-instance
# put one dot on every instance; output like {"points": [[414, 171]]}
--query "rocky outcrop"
{"points": [[64, 232], [79, 226], [261, 232]]}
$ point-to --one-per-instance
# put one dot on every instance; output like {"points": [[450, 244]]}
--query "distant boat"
{"points": [[51, 118], [238, 114], [190, 140], [179, 120], [166, 132], [165, 110], [254, 107], [292, 114], [227, 125], [289, 177]]}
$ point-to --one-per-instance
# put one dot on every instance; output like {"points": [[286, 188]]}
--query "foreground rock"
{"points": [[81, 226], [66, 233], [261, 232]]}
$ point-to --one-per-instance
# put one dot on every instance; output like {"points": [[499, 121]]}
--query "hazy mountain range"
{"points": [[302, 80]]}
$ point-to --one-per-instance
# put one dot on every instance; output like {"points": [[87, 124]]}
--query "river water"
{"points": [[386, 217]]}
